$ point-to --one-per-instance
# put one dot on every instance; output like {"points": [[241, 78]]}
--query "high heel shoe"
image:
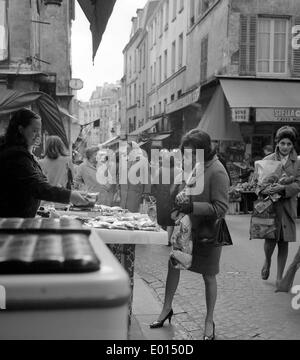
{"points": [[211, 337], [265, 272], [158, 324]]}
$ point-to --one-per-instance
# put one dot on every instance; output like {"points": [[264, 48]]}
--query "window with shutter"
{"points": [[296, 54], [248, 36], [252, 44]]}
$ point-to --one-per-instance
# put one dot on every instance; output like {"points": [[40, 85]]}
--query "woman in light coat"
{"points": [[286, 207]]}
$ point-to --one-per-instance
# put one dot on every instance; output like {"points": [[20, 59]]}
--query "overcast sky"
{"points": [[108, 66]]}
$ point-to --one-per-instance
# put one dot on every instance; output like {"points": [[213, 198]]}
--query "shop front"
{"points": [[184, 115], [242, 117], [261, 107]]}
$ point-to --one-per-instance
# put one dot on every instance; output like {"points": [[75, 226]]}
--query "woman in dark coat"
{"points": [[286, 207], [22, 182], [211, 203]]}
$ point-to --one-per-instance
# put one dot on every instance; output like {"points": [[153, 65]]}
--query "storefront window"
{"points": [[272, 53]]}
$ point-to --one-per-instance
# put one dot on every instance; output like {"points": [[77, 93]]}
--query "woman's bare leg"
{"points": [[283, 249], [171, 287], [211, 298]]}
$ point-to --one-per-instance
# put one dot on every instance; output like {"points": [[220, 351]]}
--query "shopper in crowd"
{"points": [[268, 150], [86, 178], [22, 182], [57, 165], [212, 203], [161, 190], [131, 193], [286, 207]]}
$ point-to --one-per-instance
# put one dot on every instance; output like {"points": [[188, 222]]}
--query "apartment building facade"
{"points": [[101, 115], [241, 56], [167, 60], [35, 52], [135, 79], [227, 66]]}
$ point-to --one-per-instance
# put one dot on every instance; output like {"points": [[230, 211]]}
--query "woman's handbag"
{"points": [[182, 244], [263, 224], [213, 233]]}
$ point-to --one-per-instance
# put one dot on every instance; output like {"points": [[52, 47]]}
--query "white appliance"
{"points": [[68, 306]]}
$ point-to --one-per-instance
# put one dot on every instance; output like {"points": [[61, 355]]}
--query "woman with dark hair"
{"points": [[286, 207], [57, 165], [210, 204], [22, 182]]}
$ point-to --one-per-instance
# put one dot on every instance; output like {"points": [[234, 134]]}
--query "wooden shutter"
{"points": [[252, 44], [248, 36], [296, 54], [243, 44], [204, 58]]}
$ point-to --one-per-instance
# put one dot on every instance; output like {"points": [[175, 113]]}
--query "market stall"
{"points": [[121, 231]]}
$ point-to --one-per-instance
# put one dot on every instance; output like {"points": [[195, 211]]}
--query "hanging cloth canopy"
{"points": [[13, 100], [98, 13], [216, 122]]}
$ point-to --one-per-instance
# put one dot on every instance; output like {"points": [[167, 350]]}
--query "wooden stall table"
{"points": [[122, 244]]}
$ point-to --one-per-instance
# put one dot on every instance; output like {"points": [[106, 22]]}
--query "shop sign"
{"points": [[240, 114], [278, 115], [184, 101]]}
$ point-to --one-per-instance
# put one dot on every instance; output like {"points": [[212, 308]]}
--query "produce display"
{"points": [[118, 219]]}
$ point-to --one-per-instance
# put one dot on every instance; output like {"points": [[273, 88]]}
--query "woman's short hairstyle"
{"points": [[22, 117], [55, 148], [286, 132], [91, 151], [198, 139]]}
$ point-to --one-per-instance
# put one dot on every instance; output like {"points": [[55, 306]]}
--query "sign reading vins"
{"points": [[240, 114]]}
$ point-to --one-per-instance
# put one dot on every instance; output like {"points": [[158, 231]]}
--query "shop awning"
{"points": [[98, 13], [215, 122], [13, 100], [146, 127], [246, 93]]}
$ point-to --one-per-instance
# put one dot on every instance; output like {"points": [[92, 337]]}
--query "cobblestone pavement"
{"points": [[247, 307]]}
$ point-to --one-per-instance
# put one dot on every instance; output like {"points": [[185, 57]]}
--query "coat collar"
{"points": [[292, 156]]}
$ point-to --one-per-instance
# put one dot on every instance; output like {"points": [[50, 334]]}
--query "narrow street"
{"points": [[247, 307]]}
